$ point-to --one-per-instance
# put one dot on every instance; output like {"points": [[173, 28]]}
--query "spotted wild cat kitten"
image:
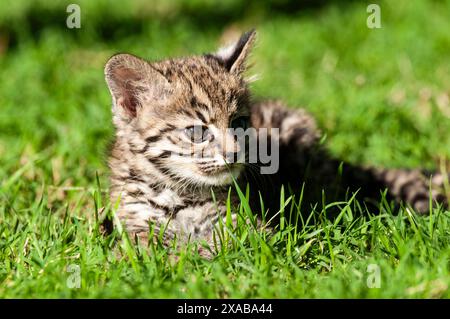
{"points": [[166, 112]]}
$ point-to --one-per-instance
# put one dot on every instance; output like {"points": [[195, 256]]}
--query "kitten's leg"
{"points": [[190, 224], [302, 160], [138, 219]]}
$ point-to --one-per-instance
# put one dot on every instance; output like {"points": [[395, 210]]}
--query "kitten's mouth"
{"points": [[216, 169], [221, 174], [220, 169]]}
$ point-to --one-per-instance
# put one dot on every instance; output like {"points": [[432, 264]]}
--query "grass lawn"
{"points": [[381, 96]]}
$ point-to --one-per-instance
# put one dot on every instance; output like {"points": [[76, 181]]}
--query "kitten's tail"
{"points": [[415, 187]]}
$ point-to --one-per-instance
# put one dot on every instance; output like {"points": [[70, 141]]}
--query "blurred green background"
{"points": [[381, 96]]}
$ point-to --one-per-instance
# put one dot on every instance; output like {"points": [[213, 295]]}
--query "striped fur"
{"points": [[158, 181]]}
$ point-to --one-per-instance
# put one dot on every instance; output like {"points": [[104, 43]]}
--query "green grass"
{"points": [[381, 96]]}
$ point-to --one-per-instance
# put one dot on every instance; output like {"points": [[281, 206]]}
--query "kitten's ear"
{"points": [[132, 81], [234, 56]]}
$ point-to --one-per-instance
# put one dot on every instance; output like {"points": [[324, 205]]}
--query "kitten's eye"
{"points": [[241, 122], [197, 133]]}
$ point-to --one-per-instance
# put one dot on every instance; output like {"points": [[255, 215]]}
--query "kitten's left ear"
{"points": [[234, 56]]}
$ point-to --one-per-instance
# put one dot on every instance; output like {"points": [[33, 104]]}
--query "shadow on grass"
{"points": [[107, 22]]}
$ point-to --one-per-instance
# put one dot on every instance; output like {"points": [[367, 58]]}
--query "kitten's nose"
{"points": [[229, 148]]}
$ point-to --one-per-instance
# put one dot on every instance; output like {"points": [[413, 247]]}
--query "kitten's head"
{"points": [[177, 113]]}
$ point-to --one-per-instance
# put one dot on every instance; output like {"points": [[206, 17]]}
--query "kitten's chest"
{"points": [[200, 215]]}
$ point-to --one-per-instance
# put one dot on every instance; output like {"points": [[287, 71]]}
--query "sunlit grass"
{"points": [[380, 96]]}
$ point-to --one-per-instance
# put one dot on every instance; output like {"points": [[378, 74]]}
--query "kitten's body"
{"points": [[159, 182]]}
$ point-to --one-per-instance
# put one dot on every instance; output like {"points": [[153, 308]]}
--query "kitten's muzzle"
{"points": [[231, 157]]}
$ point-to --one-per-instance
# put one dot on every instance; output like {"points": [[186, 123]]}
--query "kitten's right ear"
{"points": [[133, 81]]}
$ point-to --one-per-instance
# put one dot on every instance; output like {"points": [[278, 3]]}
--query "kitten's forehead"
{"points": [[203, 81]]}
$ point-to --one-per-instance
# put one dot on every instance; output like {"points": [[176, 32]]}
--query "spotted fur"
{"points": [[160, 184]]}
